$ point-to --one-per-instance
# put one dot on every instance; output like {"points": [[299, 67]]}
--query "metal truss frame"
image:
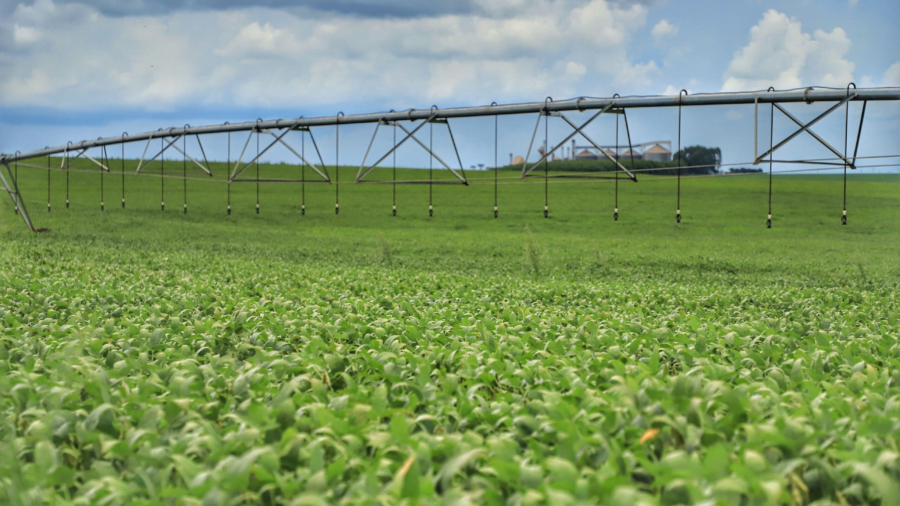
{"points": [[577, 130], [806, 127], [412, 135], [279, 139], [173, 144], [279, 129], [12, 189]]}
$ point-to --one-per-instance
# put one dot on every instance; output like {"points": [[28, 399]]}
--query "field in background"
{"points": [[723, 226], [151, 357]]}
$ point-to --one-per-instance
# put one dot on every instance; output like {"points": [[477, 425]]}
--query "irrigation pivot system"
{"points": [[412, 121]]}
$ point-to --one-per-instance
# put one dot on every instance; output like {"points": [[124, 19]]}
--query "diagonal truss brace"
{"points": [[14, 194], [360, 174], [436, 157], [191, 158], [278, 138], [578, 130], [324, 171], [241, 157], [806, 128], [142, 166], [64, 163], [89, 157], [614, 158], [412, 135]]}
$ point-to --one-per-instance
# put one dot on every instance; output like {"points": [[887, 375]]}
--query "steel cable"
{"points": [[66, 159], [162, 179], [184, 169], [16, 169], [228, 168], [430, 168], [257, 171], [303, 173], [496, 210], [616, 208], [48, 182], [394, 184], [678, 155], [337, 163], [771, 142], [123, 173], [846, 126], [105, 159]]}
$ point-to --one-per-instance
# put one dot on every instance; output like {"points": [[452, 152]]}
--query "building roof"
{"points": [[608, 153], [585, 153], [657, 149], [518, 160]]}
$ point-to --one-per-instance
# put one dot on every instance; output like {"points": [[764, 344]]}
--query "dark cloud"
{"points": [[363, 8]]}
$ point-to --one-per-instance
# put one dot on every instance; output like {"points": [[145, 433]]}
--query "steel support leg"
{"points": [[11, 186]]}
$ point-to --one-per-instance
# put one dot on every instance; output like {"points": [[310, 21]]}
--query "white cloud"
{"points": [[852, 3], [517, 49], [24, 35], [663, 29], [780, 54], [892, 75]]}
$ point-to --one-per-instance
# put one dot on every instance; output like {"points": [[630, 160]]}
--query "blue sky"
{"points": [[74, 70]]}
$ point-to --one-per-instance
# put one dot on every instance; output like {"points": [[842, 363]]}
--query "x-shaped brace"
{"points": [[411, 135], [278, 138], [324, 171], [614, 157], [577, 130], [806, 128], [142, 165]]}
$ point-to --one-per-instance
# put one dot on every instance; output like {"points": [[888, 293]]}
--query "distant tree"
{"points": [[700, 159]]}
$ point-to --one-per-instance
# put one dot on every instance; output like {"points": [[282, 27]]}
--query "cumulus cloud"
{"points": [[507, 50], [780, 54], [892, 75], [663, 29], [25, 34]]}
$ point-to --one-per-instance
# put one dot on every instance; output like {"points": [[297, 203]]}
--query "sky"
{"points": [[75, 70]]}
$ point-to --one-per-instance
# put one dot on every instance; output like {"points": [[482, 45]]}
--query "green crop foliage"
{"points": [[158, 358]]}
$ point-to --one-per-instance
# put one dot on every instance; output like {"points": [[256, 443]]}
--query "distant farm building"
{"points": [[657, 151], [658, 154]]}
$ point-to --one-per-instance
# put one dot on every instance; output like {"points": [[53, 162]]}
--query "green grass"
{"points": [[151, 357]]}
